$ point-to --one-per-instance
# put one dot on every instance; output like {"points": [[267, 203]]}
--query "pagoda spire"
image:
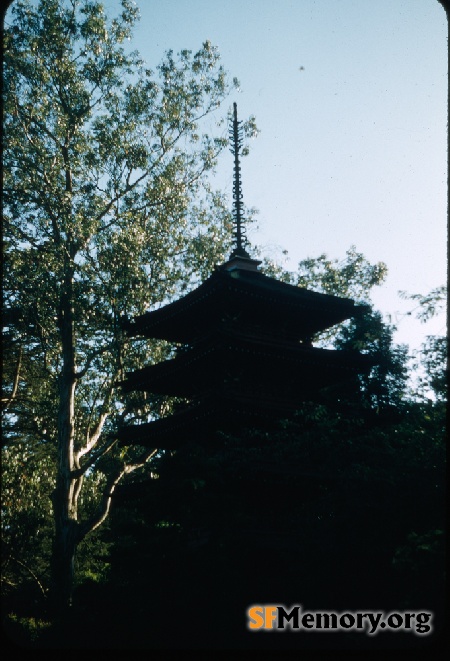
{"points": [[236, 140]]}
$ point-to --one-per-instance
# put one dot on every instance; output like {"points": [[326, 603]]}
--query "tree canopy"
{"points": [[108, 210]]}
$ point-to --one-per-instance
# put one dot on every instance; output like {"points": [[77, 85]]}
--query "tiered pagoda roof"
{"points": [[245, 357], [235, 295], [245, 354]]}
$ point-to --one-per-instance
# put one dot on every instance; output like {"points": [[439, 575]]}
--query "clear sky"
{"points": [[351, 100]]}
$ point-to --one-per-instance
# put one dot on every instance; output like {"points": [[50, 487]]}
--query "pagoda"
{"points": [[245, 355]]}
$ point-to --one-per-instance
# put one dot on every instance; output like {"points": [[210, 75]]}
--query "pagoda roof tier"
{"points": [[225, 410], [233, 355], [245, 297]]}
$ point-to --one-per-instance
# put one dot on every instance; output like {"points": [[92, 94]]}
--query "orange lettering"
{"points": [[255, 616], [271, 613]]}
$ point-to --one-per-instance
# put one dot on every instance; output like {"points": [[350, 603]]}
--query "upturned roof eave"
{"points": [[219, 290]]}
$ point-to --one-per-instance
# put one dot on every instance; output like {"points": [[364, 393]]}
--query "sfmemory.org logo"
{"points": [[275, 617]]}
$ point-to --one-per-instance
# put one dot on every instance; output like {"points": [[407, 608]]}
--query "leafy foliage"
{"points": [[432, 358], [435, 360], [108, 211], [27, 483], [353, 277], [385, 386], [428, 305]]}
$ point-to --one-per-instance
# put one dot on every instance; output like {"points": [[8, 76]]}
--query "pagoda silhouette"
{"points": [[245, 356]]}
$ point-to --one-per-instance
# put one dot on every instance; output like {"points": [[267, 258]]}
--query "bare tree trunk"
{"points": [[69, 532], [64, 548], [65, 496]]}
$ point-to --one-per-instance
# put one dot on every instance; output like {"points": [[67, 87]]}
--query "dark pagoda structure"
{"points": [[245, 354]]}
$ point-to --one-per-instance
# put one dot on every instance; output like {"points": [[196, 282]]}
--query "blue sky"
{"points": [[350, 97], [353, 147]]}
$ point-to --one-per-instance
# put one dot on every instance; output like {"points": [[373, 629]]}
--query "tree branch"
{"points": [[92, 439], [105, 505], [8, 401], [30, 571], [128, 188], [94, 457], [89, 360]]}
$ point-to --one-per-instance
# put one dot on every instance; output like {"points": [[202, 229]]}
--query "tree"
{"points": [[107, 211], [433, 355], [353, 277], [434, 358], [385, 385], [27, 482]]}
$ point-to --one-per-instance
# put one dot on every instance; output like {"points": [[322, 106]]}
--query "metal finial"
{"points": [[236, 140]]}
